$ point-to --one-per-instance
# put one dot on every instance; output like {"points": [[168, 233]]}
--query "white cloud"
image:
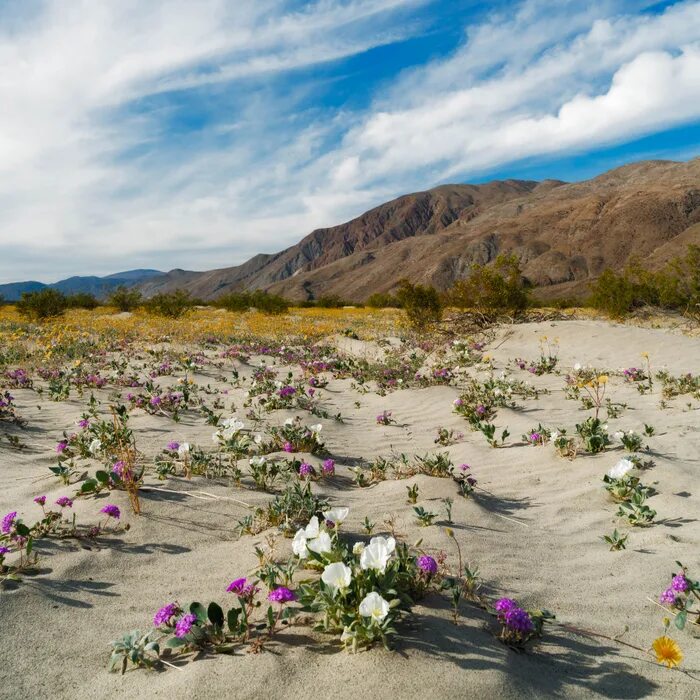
{"points": [[95, 176]]}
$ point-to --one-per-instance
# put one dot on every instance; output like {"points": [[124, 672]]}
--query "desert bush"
{"points": [[172, 305], [43, 304], [331, 301], [492, 289], [421, 304], [258, 299], [125, 299], [382, 301], [82, 300]]}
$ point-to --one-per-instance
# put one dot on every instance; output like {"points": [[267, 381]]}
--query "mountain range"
{"points": [[565, 235], [99, 286]]}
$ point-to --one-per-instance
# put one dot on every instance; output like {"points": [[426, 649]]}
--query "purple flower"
{"points": [[84, 423], [184, 625], [427, 564], [4, 551], [281, 595], [329, 467], [668, 596], [61, 446], [111, 511], [481, 409], [518, 620], [40, 500], [305, 469], [7, 522], [464, 467], [172, 446], [288, 447], [237, 585], [165, 614], [535, 437], [503, 605], [155, 401], [679, 583], [64, 502], [242, 589]]}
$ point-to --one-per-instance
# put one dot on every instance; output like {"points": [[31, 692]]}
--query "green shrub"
{"points": [[45, 303], [498, 288], [82, 300], [258, 299], [125, 299], [421, 304], [614, 294], [172, 305], [382, 301]]}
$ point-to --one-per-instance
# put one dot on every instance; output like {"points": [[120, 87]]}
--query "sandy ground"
{"points": [[533, 533]]}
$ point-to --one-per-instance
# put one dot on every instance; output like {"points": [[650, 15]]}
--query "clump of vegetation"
{"points": [[676, 286], [43, 304], [257, 299], [493, 290], [422, 305], [125, 299], [172, 305]]}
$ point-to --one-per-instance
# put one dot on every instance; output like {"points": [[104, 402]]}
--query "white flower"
{"points": [[184, 449], [321, 544], [336, 515], [337, 576], [316, 428], [374, 606], [257, 439], [358, 548], [620, 469], [577, 367], [377, 553], [388, 542], [312, 529], [554, 435], [619, 435], [289, 421], [95, 446], [257, 461], [299, 544]]}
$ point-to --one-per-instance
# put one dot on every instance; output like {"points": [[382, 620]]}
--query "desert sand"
{"points": [[532, 528]]}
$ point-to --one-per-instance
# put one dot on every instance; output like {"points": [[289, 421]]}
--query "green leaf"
{"points": [[199, 610], [102, 476], [681, 619], [175, 642], [232, 619], [270, 617], [22, 529], [215, 615]]}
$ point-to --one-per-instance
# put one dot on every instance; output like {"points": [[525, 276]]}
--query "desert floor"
{"points": [[533, 529]]}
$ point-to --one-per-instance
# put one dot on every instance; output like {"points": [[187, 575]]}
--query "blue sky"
{"points": [[173, 133]]}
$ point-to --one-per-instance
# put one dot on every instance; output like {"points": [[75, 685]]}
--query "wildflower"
{"points": [[358, 548], [165, 614], [242, 588], [95, 446], [4, 551], [336, 576], [321, 544], [64, 502], [621, 469], [336, 515], [374, 607], [503, 605], [377, 553], [40, 500], [328, 467], [183, 450], [299, 544], [288, 447], [668, 596], [305, 469], [316, 429], [281, 595], [84, 423], [679, 583], [173, 446], [61, 446], [7, 522], [427, 564], [111, 511], [518, 620], [184, 625], [667, 651]]}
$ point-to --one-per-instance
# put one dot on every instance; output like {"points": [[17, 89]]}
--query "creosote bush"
{"points": [[46, 303], [258, 299], [125, 299], [172, 305], [498, 288], [421, 304]]}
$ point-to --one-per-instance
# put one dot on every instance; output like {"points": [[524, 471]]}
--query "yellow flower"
{"points": [[645, 355], [602, 379], [667, 651]]}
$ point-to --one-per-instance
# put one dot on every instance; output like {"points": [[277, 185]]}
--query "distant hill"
{"points": [[99, 286], [564, 235]]}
